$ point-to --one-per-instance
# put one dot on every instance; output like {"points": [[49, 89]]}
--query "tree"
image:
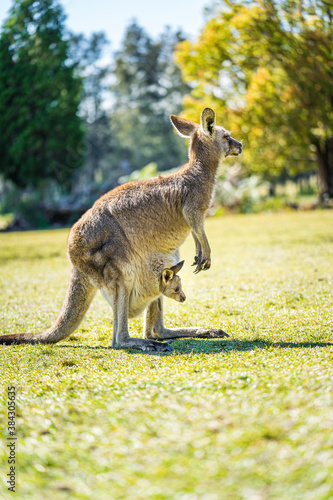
{"points": [[40, 131], [148, 88], [267, 65], [95, 72]]}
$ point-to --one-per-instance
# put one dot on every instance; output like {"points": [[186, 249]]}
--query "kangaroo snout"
{"points": [[182, 297], [236, 148]]}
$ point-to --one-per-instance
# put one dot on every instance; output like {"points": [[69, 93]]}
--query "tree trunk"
{"points": [[325, 168], [272, 189]]}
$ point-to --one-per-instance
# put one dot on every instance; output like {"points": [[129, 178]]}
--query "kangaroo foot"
{"points": [[210, 334], [182, 333], [145, 345]]}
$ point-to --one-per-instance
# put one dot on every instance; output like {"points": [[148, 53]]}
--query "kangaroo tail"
{"points": [[79, 295]]}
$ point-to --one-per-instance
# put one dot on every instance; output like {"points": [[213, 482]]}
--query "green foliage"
{"points": [[148, 88], [146, 172], [40, 131], [270, 204], [241, 418], [5, 220], [237, 191], [267, 67], [30, 210]]}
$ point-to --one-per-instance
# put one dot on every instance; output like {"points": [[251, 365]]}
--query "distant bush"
{"points": [[26, 207], [270, 204], [237, 192], [146, 172]]}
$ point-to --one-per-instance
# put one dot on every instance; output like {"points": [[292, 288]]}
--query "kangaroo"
{"points": [[137, 225], [157, 280]]}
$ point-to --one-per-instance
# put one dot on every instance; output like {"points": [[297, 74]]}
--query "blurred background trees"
{"points": [[76, 117], [267, 67], [147, 88], [89, 54], [40, 95]]}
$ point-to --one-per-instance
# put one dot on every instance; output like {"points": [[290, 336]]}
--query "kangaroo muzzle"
{"points": [[235, 147]]}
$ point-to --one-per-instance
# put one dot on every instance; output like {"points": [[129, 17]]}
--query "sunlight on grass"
{"points": [[250, 417]]}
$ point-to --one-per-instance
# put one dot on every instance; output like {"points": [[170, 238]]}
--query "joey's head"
{"points": [[171, 285], [208, 140]]}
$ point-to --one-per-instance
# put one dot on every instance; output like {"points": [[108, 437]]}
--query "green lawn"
{"points": [[248, 418]]}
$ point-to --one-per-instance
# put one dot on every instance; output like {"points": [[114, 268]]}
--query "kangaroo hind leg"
{"points": [[121, 337], [154, 326]]}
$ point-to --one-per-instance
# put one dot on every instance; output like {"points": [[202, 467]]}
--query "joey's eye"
{"points": [[177, 289], [228, 138]]}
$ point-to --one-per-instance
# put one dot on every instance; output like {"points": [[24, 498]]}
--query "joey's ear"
{"points": [[208, 121], [184, 127], [177, 267], [167, 275]]}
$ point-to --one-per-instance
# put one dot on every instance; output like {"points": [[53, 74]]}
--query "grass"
{"points": [[249, 418]]}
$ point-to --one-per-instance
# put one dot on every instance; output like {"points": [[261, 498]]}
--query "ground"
{"points": [[248, 418]]}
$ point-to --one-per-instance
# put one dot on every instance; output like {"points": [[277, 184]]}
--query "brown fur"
{"points": [[131, 234]]}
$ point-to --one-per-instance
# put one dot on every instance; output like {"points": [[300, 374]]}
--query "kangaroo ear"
{"points": [[208, 121], [177, 267], [184, 127], [167, 275]]}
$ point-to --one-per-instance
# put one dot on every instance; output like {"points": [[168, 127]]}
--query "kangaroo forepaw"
{"points": [[207, 264], [203, 265], [197, 260]]}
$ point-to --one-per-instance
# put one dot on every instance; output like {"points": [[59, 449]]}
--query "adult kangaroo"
{"points": [[122, 244]]}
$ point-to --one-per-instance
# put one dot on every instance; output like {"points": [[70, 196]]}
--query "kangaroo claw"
{"points": [[196, 260], [203, 265], [206, 265]]}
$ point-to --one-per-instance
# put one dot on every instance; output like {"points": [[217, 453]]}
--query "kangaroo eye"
{"points": [[177, 289], [228, 138]]}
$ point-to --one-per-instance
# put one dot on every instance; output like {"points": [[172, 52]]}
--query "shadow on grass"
{"points": [[184, 346], [246, 345]]}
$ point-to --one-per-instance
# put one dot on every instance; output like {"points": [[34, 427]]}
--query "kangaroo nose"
{"points": [[182, 297]]}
